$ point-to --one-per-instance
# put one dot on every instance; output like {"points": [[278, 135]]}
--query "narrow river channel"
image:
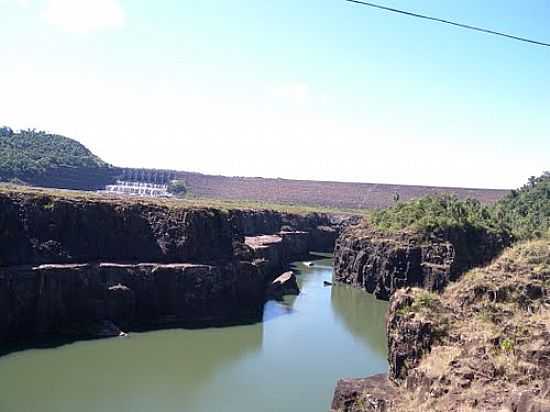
{"points": [[289, 362]]}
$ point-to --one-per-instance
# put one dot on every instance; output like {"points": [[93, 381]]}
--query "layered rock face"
{"points": [[382, 263], [483, 344], [37, 229], [69, 299], [322, 229], [69, 263]]}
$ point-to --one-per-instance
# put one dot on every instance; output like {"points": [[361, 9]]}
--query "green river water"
{"points": [[289, 362]]}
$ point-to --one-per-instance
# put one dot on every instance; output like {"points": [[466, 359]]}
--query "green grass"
{"points": [[506, 345]]}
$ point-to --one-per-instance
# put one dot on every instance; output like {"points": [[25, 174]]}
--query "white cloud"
{"points": [[84, 15], [24, 3]]}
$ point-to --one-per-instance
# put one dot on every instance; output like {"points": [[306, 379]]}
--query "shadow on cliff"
{"points": [[54, 342], [172, 366]]}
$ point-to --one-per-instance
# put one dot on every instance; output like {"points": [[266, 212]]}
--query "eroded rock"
{"points": [[285, 284], [381, 263], [51, 299], [374, 394]]}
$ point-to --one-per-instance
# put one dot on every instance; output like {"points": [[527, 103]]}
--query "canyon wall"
{"points": [[482, 344], [74, 265], [381, 263]]}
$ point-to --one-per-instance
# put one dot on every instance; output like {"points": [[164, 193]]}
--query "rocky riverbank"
{"points": [[381, 262], [483, 344], [81, 265]]}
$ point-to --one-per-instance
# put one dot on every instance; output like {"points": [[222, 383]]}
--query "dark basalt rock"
{"points": [[440, 358], [530, 401], [374, 394], [38, 229], [408, 338], [120, 304], [285, 284], [208, 266], [54, 300], [296, 244], [382, 263]]}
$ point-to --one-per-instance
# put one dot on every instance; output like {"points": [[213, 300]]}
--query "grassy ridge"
{"points": [[502, 311]]}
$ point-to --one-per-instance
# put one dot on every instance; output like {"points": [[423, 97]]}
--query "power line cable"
{"points": [[453, 23]]}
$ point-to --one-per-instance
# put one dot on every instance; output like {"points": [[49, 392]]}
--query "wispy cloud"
{"points": [[24, 3], [297, 93], [84, 16]]}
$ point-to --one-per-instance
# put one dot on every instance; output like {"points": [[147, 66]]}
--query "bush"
{"points": [[524, 213], [437, 213], [177, 188], [527, 210], [6, 131]]}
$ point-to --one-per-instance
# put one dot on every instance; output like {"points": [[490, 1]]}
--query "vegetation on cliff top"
{"points": [[524, 213], [29, 152], [527, 210], [436, 213]]}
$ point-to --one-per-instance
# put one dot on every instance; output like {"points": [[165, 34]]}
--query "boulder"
{"points": [[285, 284], [374, 394]]}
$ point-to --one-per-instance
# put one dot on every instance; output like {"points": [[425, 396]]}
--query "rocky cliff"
{"points": [[483, 344], [381, 263], [83, 265], [72, 299]]}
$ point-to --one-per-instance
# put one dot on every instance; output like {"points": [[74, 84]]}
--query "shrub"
{"points": [[437, 213], [177, 188], [527, 210]]}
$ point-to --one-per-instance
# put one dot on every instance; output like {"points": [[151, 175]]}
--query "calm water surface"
{"points": [[289, 362]]}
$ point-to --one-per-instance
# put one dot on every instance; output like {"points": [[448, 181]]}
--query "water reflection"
{"points": [[361, 313], [138, 373], [290, 361], [274, 309]]}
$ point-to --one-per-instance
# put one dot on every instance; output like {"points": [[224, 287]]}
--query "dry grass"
{"points": [[437, 362], [497, 320]]}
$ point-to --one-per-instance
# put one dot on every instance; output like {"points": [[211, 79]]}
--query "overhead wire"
{"points": [[453, 23]]}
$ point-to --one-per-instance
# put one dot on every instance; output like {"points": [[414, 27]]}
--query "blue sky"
{"points": [[316, 89]]}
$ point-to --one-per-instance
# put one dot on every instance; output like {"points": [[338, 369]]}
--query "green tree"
{"points": [[177, 188]]}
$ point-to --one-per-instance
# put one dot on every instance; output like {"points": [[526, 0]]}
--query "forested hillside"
{"points": [[39, 158]]}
